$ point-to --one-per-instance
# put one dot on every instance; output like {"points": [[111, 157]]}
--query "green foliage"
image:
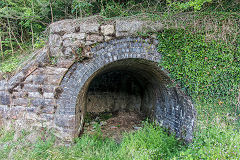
{"points": [[214, 143], [113, 9], [207, 5], [215, 138], [6, 136], [89, 147], [216, 135], [182, 5], [21, 22], [79, 54], [208, 71], [39, 43], [84, 8], [205, 70], [10, 65], [41, 148], [151, 142], [53, 60]]}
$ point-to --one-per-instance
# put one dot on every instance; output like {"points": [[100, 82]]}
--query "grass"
{"points": [[149, 143], [216, 137], [12, 63]]}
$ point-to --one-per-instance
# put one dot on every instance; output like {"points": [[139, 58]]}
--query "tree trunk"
{"points": [[1, 48], [50, 4], [16, 40], [10, 35], [238, 103], [32, 27], [32, 36]]}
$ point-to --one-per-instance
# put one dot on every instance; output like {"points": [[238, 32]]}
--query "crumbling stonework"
{"points": [[55, 89]]}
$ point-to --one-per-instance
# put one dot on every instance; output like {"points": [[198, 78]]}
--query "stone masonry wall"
{"points": [[114, 91], [50, 90]]}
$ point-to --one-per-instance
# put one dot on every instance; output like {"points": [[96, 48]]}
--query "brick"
{"points": [[20, 102], [34, 95], [49, 110], [20, 94], [47, 117], [4, 98], [35, 79], [31, 87], [48, 95], [42, 102], [3, 85]]}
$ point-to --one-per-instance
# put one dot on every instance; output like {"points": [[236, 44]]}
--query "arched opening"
{"points": [[126, 72], [128, 86]]}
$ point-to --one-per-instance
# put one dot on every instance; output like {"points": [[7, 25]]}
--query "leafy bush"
{"points": [[84, 8], [184, 5], [113, 9]]}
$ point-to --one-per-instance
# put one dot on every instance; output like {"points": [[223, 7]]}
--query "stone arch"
{"points": [[169, 106]]}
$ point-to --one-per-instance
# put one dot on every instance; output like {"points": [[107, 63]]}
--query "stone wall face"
{"points": [[114, 91], [53, 91]]}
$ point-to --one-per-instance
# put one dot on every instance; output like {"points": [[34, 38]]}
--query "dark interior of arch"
{"points": [[127, 85]]}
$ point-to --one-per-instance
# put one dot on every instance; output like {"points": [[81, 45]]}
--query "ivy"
{"points": [[206, 70]]}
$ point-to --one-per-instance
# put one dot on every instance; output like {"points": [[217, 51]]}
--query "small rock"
{"points": [[154, 36], [48, 95], [75, 36], [55, 40], [137, 128], [93, 122], [107, 30], [95, 38], [125, 28], [103, 123], [108, 38], [4, 98], [89, 28]]}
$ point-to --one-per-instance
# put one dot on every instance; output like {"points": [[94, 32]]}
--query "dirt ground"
{"points": [[113, 125]]}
